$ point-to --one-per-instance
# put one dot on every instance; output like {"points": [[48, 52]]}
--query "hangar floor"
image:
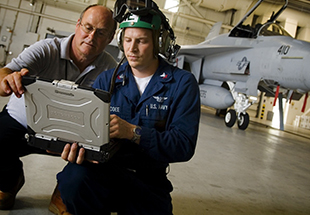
{"points": [[258, 171]]}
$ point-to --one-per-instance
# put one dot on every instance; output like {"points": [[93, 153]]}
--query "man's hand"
{"points": [[120, 128], [12, 82], [73, 154]]}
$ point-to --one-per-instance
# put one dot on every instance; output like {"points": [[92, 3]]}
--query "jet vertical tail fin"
{"points": [[215, 31]]}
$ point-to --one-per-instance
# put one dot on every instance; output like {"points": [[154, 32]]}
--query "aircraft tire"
{"points": [[243, 121], [230, 118]]}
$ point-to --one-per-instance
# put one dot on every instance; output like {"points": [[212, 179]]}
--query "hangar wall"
{"points": [[23, 24], [292, 112]]}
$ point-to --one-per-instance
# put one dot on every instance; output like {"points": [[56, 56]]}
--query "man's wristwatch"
{"points": [[136, 133]]}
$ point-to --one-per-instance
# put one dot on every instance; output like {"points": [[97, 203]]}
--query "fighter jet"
{"points": [[234, 66]]}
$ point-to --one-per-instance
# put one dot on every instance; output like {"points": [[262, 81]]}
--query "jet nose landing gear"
{"points": [[243, 121], [231, 117], [239, 113]]}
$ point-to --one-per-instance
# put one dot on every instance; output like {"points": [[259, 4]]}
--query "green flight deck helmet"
{"points": [[149, 21]]}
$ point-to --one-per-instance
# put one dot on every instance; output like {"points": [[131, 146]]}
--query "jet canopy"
{"points": [[272, 29], [253, 30]]}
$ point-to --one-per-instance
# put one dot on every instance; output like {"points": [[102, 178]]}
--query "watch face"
{"points": [[138, 131]]}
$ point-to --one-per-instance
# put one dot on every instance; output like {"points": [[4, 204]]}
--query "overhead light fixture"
{"points": [[32, 2]]}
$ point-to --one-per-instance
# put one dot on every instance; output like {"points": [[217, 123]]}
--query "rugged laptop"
{"points": [[61, 112]]}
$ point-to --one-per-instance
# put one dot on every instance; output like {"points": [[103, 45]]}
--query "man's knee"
{"points": [[71, 180]]}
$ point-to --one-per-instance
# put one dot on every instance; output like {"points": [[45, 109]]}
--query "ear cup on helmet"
{"points": [[119, 39], [164, 42]]}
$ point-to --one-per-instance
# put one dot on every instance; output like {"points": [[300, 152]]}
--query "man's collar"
{"points": [[163, 73], [65, 46]]}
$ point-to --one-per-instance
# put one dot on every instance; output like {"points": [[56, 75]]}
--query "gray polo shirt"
{"points": [[50, 59]]}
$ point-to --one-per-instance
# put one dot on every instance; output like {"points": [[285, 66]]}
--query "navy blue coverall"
{"points": [[135, 180]]}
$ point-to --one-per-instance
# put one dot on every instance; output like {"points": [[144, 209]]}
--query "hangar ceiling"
{"points": [[301, 5], [222, 5], [78, 5], [193, 5]]}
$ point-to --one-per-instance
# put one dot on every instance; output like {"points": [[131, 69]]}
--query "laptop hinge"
{"points": [[45, 137], [90, 147], [65, 84]]}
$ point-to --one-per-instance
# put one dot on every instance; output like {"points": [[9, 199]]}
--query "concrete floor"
{"points": [[258, 171]]}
